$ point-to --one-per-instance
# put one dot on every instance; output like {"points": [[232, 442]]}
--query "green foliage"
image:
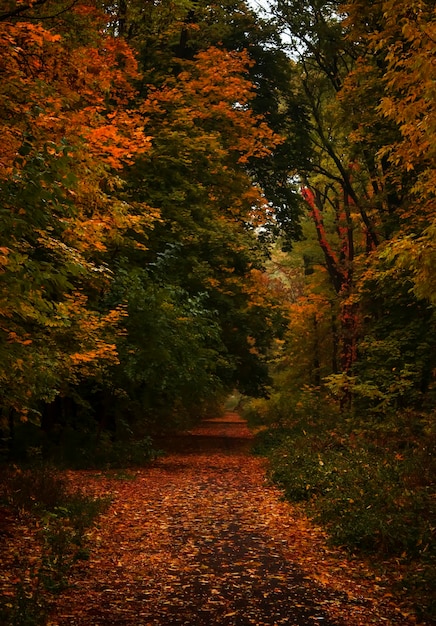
{"points": [[418, 256], [33, 282], [360, 493], [117, 442], [369, 483], [395, 356], [41, 489], [124, 453], [171, 355]]}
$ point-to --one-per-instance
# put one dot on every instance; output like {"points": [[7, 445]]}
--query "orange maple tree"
{"points": [[67, 129]]}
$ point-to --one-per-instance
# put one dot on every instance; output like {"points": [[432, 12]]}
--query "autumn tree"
{"points": [[351, 60], [203, 174], [67, 130], [400, 40], [407, 41], [200, 272], [333, 181], [164, 37]]}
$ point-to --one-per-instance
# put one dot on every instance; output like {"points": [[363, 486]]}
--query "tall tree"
{"points": [[355, 61], [203, 256], [66, 129]]}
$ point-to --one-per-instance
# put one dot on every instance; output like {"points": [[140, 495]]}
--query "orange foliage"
{"points": [[213, 94], [66, 114], [53, 89]]}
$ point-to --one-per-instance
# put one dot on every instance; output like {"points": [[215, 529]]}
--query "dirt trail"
{"points": [[199, 538]]}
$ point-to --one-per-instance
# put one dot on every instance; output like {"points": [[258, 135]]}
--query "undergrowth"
{"points": [[40, 499], [370, 484]]}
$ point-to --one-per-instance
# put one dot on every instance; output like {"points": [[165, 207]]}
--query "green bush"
{"points": [[84, 450], [301, 475], [361, 495], [28, 608], [368, 480], [370, 508]]}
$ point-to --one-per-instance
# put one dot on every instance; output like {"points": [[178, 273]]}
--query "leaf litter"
{"points": [[201, 538]]}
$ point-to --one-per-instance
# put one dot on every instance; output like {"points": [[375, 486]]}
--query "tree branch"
{"points": [[21, 9]]}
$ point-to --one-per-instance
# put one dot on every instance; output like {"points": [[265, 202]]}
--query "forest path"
{"points": [[199, 538]]}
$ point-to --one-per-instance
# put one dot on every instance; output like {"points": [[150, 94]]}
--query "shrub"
{"points": [[61, 517], [368, 480], [37, 488]]}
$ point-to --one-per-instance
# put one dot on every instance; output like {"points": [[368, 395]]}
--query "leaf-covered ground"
{"points": [[200, 538]]}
